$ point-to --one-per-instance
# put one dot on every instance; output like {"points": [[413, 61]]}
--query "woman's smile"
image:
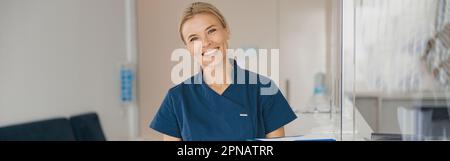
{"points": [[211, 52]]}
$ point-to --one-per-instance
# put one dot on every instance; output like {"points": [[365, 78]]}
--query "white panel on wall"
{"points": [[62, 58]]}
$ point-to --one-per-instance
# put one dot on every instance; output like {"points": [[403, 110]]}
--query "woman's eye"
{"points": [[193, 39], [212, 30]]}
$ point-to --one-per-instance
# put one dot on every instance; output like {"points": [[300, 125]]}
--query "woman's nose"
{"points": [[206, 43]]}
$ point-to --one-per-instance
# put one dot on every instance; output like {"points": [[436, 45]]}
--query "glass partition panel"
{"points": [[398, 72]]}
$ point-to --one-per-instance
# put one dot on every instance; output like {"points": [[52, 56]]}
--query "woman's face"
{"points": [[206, 39]]}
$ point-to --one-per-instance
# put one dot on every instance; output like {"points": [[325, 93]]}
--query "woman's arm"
{"points": [[276, 134], [170, 138]]}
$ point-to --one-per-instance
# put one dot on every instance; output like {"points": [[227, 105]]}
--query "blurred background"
{"points": [[397, 68]]}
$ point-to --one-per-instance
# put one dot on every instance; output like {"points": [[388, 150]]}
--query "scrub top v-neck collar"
{"points": [[214, 97], [209, 89], [206, 89]]}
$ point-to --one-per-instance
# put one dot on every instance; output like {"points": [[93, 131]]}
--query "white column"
{"points": [[131, 52]]}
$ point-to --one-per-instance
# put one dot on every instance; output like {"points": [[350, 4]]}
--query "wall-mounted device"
{"points": [[127, 78]]}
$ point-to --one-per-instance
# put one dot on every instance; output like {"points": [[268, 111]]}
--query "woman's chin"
{"points": [[207, 64], [211, 64]]}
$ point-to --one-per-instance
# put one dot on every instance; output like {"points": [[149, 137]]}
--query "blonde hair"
{"points": [[198, 8]]}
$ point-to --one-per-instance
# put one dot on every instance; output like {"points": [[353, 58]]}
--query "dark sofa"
{"points": [[85, 127]]}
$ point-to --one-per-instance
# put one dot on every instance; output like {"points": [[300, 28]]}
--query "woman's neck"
{"points": [[220, 75]]}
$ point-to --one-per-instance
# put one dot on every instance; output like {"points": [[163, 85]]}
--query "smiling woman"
{"points": [[212, 110]]}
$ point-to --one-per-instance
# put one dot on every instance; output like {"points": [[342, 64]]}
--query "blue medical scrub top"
{"points": [[194, 112]]}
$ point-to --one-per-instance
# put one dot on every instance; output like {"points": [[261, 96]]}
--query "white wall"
{"points": [[302, 30], [61, 58]]}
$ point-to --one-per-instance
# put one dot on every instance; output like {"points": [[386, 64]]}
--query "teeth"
{"points": [[210, 52]]}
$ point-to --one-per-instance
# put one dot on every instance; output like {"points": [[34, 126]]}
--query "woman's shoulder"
{"points": [[264, 84], [257, 79], [183, 86]]}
